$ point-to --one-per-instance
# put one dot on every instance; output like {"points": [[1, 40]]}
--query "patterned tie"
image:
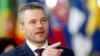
{"points": [[39, 51]]}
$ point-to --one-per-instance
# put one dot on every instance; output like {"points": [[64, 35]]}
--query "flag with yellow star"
{"points": [[93, 26], [94, 18]]}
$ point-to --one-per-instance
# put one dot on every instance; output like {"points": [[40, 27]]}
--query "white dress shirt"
{"points": [[33, 47]]}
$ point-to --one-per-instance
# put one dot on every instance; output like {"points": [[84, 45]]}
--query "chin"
{"points": [[41, 41]]}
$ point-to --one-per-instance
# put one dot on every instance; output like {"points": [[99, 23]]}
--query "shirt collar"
{"points": [[33, 47]]}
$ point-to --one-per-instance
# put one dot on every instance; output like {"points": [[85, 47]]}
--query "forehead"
{"points": [[35, 13]]}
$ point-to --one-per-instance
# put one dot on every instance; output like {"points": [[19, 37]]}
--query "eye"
{"points": [[32, 21], [44, 20]]}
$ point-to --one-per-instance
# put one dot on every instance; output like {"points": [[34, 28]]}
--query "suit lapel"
{"points": [[26, 51]]}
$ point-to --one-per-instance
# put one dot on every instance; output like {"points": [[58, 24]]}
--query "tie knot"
{"points": [[39, 51]]}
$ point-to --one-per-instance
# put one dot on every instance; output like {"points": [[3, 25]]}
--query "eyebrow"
{"points": [[44, 18]]}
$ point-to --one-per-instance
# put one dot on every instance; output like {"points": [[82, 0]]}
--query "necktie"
{"points": [[39, 51]]}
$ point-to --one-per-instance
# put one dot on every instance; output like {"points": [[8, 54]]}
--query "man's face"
{"points": [[35, 25]]}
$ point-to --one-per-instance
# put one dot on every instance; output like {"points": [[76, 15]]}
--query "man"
{"points": [[34, 24]]}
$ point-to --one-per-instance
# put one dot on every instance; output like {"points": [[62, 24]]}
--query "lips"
{"points": [[40, 32]]}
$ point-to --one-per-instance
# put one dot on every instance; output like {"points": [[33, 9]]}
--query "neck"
{"points": [[38, 44]]}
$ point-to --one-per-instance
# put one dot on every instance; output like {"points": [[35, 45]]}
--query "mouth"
{"points": [[40, 33]]}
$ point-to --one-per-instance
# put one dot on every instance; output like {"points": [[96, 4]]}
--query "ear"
{"points": [[21, 27]]}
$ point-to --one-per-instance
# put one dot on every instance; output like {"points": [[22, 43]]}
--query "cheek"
{"points": [[28, 29], [47, 26], [46, 23]]}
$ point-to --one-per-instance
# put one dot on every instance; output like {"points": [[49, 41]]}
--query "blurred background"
{"points": [[76, 23]]}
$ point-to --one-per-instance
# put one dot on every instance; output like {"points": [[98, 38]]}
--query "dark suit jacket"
{"points": [[24, 50]]}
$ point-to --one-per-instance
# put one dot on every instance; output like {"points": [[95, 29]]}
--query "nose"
{"points": [[39, 25]]}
